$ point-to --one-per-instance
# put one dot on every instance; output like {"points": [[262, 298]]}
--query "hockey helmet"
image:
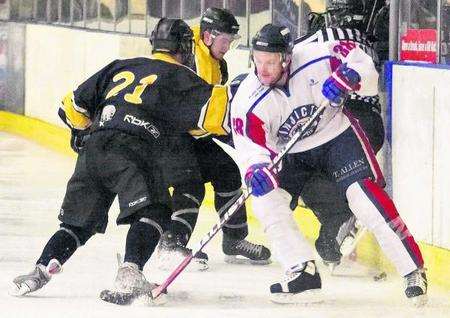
{"points": [[355, 14], [273, 38], [173, 36], [219, 20]]}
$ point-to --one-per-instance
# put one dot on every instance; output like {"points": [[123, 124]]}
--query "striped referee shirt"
{"points": [[340, 34]]}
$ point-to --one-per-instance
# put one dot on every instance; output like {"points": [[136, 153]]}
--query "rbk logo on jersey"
{"points": [[296, 120], [142, 123]]}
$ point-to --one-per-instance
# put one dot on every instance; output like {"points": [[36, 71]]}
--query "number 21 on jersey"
{"points": [[127, 78]]}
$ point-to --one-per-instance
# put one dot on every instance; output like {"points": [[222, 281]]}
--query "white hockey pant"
{"points": [[373, 207], [289, 246]]}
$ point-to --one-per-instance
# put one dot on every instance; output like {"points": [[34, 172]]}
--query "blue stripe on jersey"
{"points": [[308, 64], [260, 98]]}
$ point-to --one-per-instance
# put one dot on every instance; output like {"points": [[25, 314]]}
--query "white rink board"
{"points": [[421, 150], [59, 59]]}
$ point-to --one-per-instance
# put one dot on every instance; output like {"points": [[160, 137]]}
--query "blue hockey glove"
{"points": [[340, 83], [78, 139], [260, 179]]}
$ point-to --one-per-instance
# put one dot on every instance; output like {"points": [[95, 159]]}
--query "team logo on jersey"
{"points": [[142, 123], [107, 114], [296, 120]]}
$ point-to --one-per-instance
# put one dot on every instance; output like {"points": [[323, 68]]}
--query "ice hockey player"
{"points": [[217, 32], [288, 85], [130, 107], [353, 21]]}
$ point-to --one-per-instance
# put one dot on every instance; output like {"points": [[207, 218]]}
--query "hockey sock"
{"points": [[61, 246], [186, 201], [236, 227], [142, 239]]}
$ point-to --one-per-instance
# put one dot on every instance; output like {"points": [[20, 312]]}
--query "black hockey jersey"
{"points": [[147, 97]]}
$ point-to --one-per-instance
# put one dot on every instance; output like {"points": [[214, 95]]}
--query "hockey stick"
{"points": [[235, 206]]}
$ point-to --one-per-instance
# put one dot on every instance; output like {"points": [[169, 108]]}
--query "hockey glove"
{"points": [[260, 179], [78, 139], [340, 83]]}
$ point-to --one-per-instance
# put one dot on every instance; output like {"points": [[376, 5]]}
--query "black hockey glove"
{"points": [[78, 139]]}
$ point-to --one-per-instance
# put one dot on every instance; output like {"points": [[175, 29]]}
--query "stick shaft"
{"points": [[235, 206]]}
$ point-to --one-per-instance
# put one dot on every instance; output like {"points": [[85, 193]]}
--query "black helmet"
{"points": [[316, 21], [354, 14], [273, 38], [173, 36], [220, 20]]}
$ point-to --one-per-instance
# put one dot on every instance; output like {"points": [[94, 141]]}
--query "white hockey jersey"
{"points": [[263, 118]]}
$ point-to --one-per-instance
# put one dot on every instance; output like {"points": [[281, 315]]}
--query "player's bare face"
{"points": [[221, 43], [269, 67]]}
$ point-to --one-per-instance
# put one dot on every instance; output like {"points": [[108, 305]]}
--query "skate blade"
{"points": [[234, 259], [313, 296], [199, 264], [419, 301], [125, 299], [331, 267], [19, 290], [167, 261], [195, 265], [349, 244]]}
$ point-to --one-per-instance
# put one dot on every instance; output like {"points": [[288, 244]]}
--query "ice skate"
{"points": [[349, 236], [416, 287], [300, 286], [130, 286], [171, 250], [244, 252], [328, 250], [35, 280]]}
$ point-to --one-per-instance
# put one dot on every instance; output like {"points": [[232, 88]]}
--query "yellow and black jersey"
{"points": [[207, 67], [147, 97]]}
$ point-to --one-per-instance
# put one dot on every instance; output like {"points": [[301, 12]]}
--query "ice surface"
{"points": [[32, 185]]}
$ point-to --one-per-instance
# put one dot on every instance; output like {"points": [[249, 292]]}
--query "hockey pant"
{"points": [[373, 207], [289, 247]]}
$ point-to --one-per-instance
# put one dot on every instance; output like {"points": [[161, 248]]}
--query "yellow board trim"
{"points": [[48, 135], [368, 252]]}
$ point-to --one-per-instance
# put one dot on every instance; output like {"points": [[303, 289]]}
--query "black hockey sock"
{"points": [[142, 239], [186, 201], [61, 246], [236, 227]]}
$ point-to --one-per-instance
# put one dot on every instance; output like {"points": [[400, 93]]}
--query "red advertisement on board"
{"points": [[419, 45]]}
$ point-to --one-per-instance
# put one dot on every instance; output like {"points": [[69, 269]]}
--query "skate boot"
{"points": [[130, 279], [349, 235], [35, 280], [416, 287], [328, 250], [131, 285], [301, 285], [244, 252], [171, 251]]}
